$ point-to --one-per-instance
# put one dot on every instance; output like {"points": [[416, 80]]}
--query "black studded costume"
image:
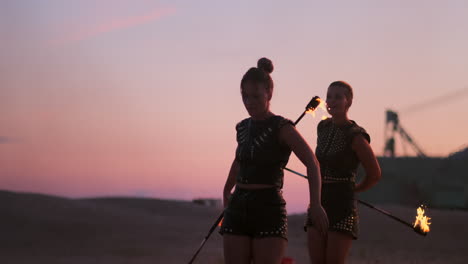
{"points": [[338, 167], [262, 157]]}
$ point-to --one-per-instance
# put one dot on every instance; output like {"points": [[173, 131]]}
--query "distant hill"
{"points": [[461, 154], [42, 225], [38, 228]]}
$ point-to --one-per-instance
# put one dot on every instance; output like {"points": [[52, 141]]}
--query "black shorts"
{"points": [[256, 213], [338, 200]]}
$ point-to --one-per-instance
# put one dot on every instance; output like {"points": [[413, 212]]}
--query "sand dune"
{"points": [[46, 229]]}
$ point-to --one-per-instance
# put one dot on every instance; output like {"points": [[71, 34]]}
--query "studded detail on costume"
{"points": [[256, 140], [338, 162], [256, 213], [262, 138], [347, 224], [336, 144], [242, 133], [281, 230], [328, 173], [260, 153]]}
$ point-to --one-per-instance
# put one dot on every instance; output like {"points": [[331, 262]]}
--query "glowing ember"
{"points": [[422, 221]]}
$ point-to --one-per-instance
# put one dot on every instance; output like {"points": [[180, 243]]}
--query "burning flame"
{"points": [[321, 106], [422, 221]]}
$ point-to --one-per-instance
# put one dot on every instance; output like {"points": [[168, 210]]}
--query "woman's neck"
{"points": [[340, 120], [263, 116]]}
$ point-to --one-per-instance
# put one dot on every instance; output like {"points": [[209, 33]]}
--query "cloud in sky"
{"points": [[5, 140], [111, 25]]}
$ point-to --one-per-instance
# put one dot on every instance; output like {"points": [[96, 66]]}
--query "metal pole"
{"points": [[386, 213], [220, 217], [416, 229]]}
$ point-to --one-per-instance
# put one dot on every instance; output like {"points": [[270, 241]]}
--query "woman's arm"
{"points": [[230, 182], [369, 162], [291, 137]]}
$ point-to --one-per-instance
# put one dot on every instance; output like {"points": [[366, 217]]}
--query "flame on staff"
{"points": [[320, 106], [422, 221]]}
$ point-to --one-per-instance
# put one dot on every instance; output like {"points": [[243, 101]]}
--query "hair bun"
{"points": [[265, 64]]}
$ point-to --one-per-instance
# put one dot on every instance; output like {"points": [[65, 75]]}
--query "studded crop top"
{"points": [[260, 153], [338, 161]]}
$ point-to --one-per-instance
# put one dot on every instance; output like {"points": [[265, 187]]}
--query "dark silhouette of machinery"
{"points": [[393, 126]]}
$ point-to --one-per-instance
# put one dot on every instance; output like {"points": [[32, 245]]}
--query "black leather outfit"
{"points": [[338, 167], [260, 154], [262, 157]]}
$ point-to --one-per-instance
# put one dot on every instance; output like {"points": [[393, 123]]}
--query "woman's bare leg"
{"points": [[317, 245], [338, 247], [237, 249], [268, 250]]}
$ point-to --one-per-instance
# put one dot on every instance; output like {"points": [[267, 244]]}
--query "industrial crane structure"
{"points": [[393, 126]]}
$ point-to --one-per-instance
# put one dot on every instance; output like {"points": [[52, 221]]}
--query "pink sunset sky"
{"points": [[140, 98]]}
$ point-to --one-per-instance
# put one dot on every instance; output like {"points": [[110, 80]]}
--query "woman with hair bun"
{"points": [[255, 219], [342, 145]]}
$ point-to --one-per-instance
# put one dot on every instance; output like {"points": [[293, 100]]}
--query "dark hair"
{"points": [[346, 86], [260, 75]]}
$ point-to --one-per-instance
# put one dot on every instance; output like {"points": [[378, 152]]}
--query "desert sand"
{"points": [[38, 228]]}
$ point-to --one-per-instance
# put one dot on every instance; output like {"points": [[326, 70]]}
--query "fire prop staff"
{"points": [[420, 226], [311, 106], [220, 217]]}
